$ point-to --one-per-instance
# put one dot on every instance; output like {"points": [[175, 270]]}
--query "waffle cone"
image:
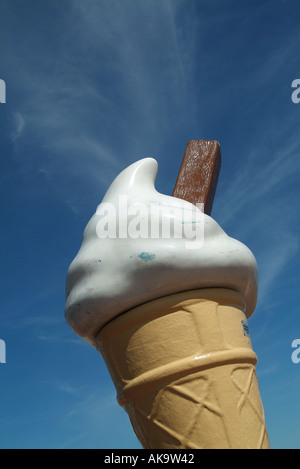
{"points": [[184, 371]]}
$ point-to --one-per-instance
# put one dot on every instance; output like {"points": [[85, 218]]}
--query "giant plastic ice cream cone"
{"points": [[184, 370], [169, 320]]}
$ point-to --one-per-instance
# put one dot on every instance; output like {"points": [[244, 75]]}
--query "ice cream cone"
{"points": [[184, 370]]}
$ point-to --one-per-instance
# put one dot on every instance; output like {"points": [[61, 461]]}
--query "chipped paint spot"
{"points": [[147, 256]]}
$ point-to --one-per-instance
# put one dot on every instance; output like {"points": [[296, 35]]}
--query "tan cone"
{"points": [[184, 370]]}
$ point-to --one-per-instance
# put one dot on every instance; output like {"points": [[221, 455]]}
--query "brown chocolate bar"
{"points": [[199, 172]]}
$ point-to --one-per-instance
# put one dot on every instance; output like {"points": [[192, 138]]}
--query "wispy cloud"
{"points": [[274, 259], [260, 177], [30, 321], [68, 388], [95, 417], [106, 95], [137, 49], [59, 339], [257, 202], [18, 127]]}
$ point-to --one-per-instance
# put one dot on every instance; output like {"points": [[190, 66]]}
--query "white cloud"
{"points": [[98, 419], [117, 83], [274, 259], [259, 176], [18, 126]]}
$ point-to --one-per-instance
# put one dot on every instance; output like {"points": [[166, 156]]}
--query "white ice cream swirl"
{"points": [[126, 258]]}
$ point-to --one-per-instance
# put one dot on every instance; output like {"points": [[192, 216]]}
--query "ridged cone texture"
{"points": [[184, 370]]}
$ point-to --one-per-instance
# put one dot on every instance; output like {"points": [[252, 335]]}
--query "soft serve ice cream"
{"points": [[141, 245], [163, 294]]}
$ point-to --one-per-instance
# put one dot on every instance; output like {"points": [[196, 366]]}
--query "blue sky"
{"points": [[92, 86]]}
